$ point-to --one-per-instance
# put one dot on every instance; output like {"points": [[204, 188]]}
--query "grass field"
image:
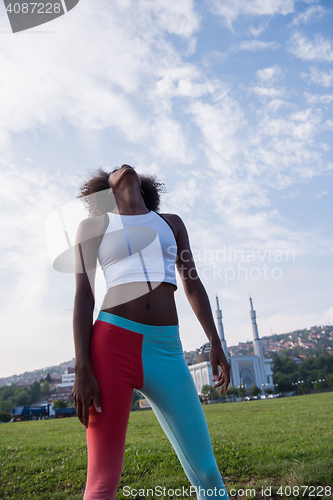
{"points": [[281, 443]]}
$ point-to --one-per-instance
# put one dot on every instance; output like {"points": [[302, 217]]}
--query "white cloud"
{"points": [[269, 76], [261, 28], [328, 125], [313, 13], [45, 83], [318, 99], [219, 123], [271, 93], [185, 81], [319, 49], [230, 10], [300, 126], [214, 57], [323, 78], [255, 45], [321, 194], [169, 141], [276, 104], [30, 288]]}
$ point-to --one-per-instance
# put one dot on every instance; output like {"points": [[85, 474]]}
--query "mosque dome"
{"points": [[203, 353]]}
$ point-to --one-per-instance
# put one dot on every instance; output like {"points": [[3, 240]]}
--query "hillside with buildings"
{"points": [[301, 343], [27, 378]]}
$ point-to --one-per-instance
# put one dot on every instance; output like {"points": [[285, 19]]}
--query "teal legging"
{"points": [[125, 355]]}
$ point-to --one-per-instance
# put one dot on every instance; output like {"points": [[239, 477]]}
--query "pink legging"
{"points": [[125, 355]]}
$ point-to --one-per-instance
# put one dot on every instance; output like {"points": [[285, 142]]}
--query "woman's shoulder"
{"points": [[174, 218], [175, 222], [92, 227]]}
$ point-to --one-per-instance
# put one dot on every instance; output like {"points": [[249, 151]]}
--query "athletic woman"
{"points": [[134, 343]]}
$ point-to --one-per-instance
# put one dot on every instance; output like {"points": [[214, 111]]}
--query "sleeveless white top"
{"points": [[138, 248]]}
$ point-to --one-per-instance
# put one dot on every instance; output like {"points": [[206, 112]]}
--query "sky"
{"points": [[228, 102]]}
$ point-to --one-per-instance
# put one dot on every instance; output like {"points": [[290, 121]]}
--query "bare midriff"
{"points": [[152, 304]]}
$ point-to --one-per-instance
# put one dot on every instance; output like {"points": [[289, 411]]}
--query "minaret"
{"points": [[258, 350], [220, 328]]}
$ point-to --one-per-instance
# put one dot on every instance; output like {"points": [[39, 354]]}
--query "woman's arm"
{"points": [[85, 386], [198, 299]]}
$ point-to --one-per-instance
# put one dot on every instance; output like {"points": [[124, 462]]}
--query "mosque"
{"points": [[246, 371]]}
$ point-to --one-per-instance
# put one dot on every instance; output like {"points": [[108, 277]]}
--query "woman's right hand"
{"points": [[85, 388]]}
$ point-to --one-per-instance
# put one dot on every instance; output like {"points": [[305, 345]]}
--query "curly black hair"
{"points": [[103, 202]]}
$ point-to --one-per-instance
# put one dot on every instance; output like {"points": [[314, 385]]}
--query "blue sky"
{"points": [[228, 102]]}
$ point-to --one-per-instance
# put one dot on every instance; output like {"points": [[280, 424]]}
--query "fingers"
{"points": [[215, 370], [97, 401], [84, 396], [223, 382], [85, 415], [82, 411], [78, 408]]}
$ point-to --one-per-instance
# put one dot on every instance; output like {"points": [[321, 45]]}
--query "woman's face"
{"points": [[119, 174]]}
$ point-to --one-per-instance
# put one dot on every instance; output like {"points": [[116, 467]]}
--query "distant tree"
{"points": [[329, 380], [208, 392], [232, 391], [34, 391], [241, 392], [205, 391], [214, 393], [59, 403], [45, 386], [303, 387], [7, 392], [283, 381], [22, 398], [136, 396], [255, 391], [222, 396], [4, 416], [6, 406], [48, 378], [268, 390], [317, 385]]}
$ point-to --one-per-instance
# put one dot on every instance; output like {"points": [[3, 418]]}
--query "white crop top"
{"points": [[138, 248]]}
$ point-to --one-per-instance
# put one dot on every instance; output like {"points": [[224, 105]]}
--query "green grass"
{"points": [[281, 442]]}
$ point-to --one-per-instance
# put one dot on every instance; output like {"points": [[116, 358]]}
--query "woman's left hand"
{"points": [[218, 359]]}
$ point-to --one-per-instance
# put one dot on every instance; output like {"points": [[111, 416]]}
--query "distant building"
{"points": [[246, 370], [24, 384], [61, 393], [296, 360], [67, 378]]}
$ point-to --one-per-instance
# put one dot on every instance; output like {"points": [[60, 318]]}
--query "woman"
{"points": [[135, 343]]}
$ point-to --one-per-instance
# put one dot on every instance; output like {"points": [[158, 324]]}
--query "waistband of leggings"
{"points": [[134, 326]]}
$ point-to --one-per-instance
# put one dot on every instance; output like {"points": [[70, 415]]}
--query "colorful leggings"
{"points": [[125, 355]]}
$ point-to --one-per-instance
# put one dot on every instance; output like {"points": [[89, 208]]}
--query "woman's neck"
{"points": [[130, 202]]}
